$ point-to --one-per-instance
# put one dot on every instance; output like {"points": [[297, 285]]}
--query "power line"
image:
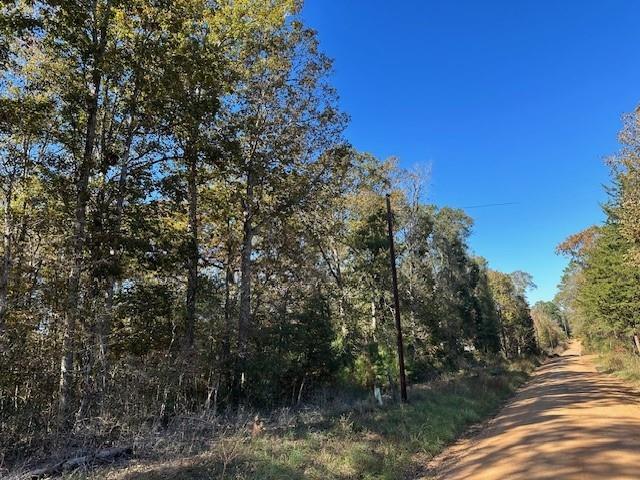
{"points": [[491, 205]]}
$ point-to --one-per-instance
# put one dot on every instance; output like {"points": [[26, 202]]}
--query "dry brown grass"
{"points": [[342, 440]]}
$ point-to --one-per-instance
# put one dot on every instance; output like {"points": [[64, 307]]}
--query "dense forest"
{"points": [[600, 289], [186, 227]]}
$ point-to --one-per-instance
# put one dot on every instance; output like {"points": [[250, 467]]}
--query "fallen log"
{"points": [[110, 454], [107, 455]]}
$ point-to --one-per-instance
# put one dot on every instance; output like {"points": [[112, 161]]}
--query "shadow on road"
{"points": [[568, 422]]}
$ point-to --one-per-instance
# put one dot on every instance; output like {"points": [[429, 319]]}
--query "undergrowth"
{"points": [[357, 441], [622, 364]]}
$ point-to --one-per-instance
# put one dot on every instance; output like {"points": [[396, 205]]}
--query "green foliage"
{"points": [[487, 320], [600, 291], [293, 354], [142, 326], [621, 363], [626, 169], [550, 325], [610, 293], [185, 227], [517, 330]]}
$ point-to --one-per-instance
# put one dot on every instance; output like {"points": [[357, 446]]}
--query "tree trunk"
{"points": [[565, 326], [6, 257], [226, 372], [505, 347], [73, 315], [636, 342], [192, 254], [245, 284], [374, 320]]}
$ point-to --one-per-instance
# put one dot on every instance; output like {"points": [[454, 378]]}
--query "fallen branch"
{"points": [[102, 456]]}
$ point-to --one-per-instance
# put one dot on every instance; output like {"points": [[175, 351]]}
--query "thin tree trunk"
{"points": [[505, 348], [245, 284], [226, 343], [374, 320], [6, 257], [225, 366], [636, 342], [304, 379], [193, 254]]}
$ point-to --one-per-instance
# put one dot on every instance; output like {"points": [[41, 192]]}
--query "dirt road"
{"points": [[569, 422]]}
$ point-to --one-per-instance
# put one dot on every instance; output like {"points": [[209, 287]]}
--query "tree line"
{"points": [[185, 226], [600, 288]]}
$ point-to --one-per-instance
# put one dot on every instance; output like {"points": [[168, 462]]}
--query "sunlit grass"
{"points": [[369, 442], [622, 364]]}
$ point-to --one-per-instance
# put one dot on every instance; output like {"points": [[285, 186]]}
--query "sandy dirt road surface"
{"points": [[569, 422]]}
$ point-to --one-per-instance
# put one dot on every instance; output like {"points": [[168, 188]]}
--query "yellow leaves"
{"points": [[235, 20], [579, 244]]}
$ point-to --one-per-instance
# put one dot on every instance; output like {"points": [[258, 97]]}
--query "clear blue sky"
{"points": [[509, 101]]}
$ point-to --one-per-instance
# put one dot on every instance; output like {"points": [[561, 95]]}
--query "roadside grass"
{"points": [[622, 364], [364, 442]]}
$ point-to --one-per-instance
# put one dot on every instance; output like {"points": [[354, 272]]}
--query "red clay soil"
{"points": [[569, 422]]}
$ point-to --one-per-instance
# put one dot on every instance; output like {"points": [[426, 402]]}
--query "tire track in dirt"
{"points": [[568, 422]]}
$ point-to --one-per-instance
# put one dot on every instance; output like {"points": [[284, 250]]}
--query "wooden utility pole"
{"points": [[396, 301]]}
